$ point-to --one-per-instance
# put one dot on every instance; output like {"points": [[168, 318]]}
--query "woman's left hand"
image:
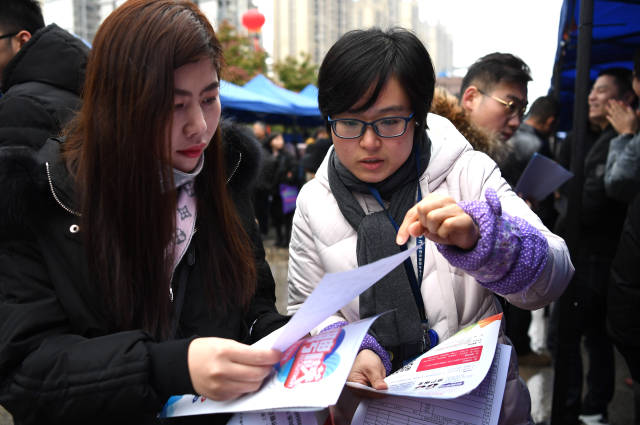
{"points": [[441, 220], [368, 370]]}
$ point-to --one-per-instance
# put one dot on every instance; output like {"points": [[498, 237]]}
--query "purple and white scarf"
{"points": [[185, 212]]}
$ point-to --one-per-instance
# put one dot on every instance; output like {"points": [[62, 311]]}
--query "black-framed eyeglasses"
{"points": [[8, 35], [513, 107], [387, 127]]}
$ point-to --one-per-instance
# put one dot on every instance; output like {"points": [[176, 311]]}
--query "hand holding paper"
{"points": [[223, 369], [312, 371], [368, 370]]}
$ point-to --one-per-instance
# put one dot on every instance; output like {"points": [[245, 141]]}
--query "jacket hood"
{"points": [[52, 56], [447, 105], [447, 144]]}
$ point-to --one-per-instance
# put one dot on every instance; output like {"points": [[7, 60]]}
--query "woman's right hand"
{"points": [[223, 369]]}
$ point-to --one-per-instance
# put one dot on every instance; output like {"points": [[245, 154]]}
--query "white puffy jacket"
{"points": [[322, 241]]}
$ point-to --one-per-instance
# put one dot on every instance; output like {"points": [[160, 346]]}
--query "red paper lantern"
{"points": [[253, 20]]}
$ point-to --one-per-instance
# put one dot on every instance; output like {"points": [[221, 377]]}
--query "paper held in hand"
{"points": [[313, 371], [453, 368]]}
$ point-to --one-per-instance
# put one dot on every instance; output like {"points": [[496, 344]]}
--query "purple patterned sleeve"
{"points": [[510, 254], [368, 343]]}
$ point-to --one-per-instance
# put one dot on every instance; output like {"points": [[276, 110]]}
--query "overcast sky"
{"points": [[526, 28]]}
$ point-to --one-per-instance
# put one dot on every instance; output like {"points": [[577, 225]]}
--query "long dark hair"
{"points": [[118, 150]]}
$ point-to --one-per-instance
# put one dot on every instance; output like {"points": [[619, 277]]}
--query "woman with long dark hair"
{"points": [[131, 268]]}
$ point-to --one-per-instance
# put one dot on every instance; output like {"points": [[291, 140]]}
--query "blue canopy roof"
{"points": [[236, 97], [302, 105], [615, 35], [310, 91]]}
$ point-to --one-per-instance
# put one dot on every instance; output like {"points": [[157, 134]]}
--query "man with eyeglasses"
{"points": [[493, 96], [494, 93], [41, 75]]}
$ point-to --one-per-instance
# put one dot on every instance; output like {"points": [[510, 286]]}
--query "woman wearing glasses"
{"points": [[130, 262], [397, 176]]}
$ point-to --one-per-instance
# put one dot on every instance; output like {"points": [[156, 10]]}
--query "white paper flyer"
{"points": [[310, 376], [480, 407], [313, 370], [453, 368]]}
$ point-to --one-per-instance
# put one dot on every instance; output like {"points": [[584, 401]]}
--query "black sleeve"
{"points": [[595, 203], [563, 151], [47, 371], [25, 122], [624, 289]]}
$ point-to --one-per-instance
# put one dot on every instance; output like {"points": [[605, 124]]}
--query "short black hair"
{"points": [[544, 108], [18, 15], [636, 64], [362, 59], [622, 78], [496, 68]]}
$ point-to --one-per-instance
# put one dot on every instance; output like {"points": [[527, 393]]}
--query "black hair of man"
{"points": [[622, 78], [18, 15], [496, 68], [544, 108], [636, 64], [362, 59]]}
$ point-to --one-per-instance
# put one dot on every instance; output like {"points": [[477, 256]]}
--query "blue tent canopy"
{"points": [[235, 97], [310, 91], [615, 36], [302, 105]]}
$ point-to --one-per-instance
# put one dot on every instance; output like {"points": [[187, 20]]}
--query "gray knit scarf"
{"points": [[376, 240]]}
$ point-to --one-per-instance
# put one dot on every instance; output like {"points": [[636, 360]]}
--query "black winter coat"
{"points": [[41, 87], [623, 301], [601, 216], [59, 361]]}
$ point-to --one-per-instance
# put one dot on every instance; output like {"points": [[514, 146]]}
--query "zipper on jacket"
{"points": [[55, 196], [235, 168]]}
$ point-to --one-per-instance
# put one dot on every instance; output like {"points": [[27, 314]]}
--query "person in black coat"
{"points": [[42, 80], [279, 169], [601, 221], [623, 300], [131, 266]]}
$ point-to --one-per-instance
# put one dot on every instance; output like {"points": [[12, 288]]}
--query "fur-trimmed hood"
{"points": [[25, 187], [447, 105]]}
